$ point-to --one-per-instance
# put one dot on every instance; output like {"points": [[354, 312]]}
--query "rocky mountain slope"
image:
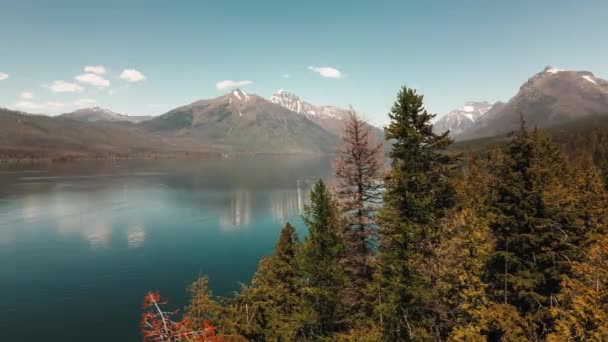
{"points": [[242, 122], [24, 136], [551, 97], [331, 118], [459, 120]]}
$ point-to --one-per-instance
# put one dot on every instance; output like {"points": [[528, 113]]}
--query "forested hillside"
{"points": [[514, 247]]}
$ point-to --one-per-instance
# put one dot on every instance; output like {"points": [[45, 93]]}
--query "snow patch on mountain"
{"points": [[553, 70], [294, 103], [241, 95], [95, 114], [590, 79], [462, 118]]}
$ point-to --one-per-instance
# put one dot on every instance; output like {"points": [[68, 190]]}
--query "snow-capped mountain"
{"points": [[550, 97], [331, 118], [458, 120], [243, 122], [96, 114], [294, 103]]}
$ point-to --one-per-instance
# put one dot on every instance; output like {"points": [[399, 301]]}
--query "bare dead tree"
{"points": [[358, 168], [159, 325]]}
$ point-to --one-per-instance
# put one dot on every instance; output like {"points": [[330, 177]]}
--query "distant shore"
{"points": [[42, 158]]}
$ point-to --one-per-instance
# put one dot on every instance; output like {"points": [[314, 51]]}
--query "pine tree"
{"points": [[581, 307], [269, 308], [535, 240], [202, 307], [591, 197], [323, 277], [358, 168], [463, 252], [417, 193], [581, 310]]}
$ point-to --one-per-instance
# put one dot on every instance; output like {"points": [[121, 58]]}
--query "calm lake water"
{"points": [[81, 243]]}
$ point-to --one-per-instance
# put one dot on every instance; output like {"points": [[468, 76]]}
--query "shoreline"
{"points": [[70, 158]]}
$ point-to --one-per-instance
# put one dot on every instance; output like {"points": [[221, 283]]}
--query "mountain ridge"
{"points": [[245, 122], [97, 113], [460, 119], [548, 98]]}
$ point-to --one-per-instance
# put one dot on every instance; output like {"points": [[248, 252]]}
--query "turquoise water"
{"points": [[80, 244]]}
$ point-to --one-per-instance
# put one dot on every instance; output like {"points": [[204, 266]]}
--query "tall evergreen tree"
{"points": [[581, 307], [463, 252], [269, 308], [358, 170], [417, 193], [581, 310], [535, 240], [591, 197], [202, 307], [323, 277]]}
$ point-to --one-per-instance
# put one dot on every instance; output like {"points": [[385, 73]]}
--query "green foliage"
{"points": [[508, 248], [417, 193], [269, 308], [582, 310], [202, 306], [463, 252], [525, 268], [322, 275]]}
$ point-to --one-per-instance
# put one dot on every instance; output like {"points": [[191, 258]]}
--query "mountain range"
{"points": [[238, 122], [549, 98], [235, 122], [331, 118]]}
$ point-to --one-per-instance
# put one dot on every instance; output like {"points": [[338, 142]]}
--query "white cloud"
{"points": [[221, 85], [85, 102], [26, 95], [3, 76], [54, 104], [93, 79], [132, 75], [95, 69], [65, 87], [39, 106], [286, 75], [326, 71], [28, 105]]}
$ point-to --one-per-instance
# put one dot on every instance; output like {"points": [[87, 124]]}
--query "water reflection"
{"points": [[238, 212], [114, 230], [136, 236], [286, 203], [105, 202], [30, 210], [98, 235]]}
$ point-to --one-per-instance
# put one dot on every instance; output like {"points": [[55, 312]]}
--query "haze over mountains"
{"points": [[95, 114], [239, 122]]}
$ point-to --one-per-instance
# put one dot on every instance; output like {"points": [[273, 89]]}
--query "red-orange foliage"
{"points": [[159, 325]]}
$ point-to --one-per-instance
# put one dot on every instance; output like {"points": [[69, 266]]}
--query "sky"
{"points": [[148, 57]]}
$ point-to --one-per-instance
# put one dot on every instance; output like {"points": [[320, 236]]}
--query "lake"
{"points": [[81, 243]]}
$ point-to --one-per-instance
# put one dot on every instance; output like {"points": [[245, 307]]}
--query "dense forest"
{"points": [[506, 245]]}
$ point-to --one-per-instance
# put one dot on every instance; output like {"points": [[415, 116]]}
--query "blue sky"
{"points": [[451, 51]]}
